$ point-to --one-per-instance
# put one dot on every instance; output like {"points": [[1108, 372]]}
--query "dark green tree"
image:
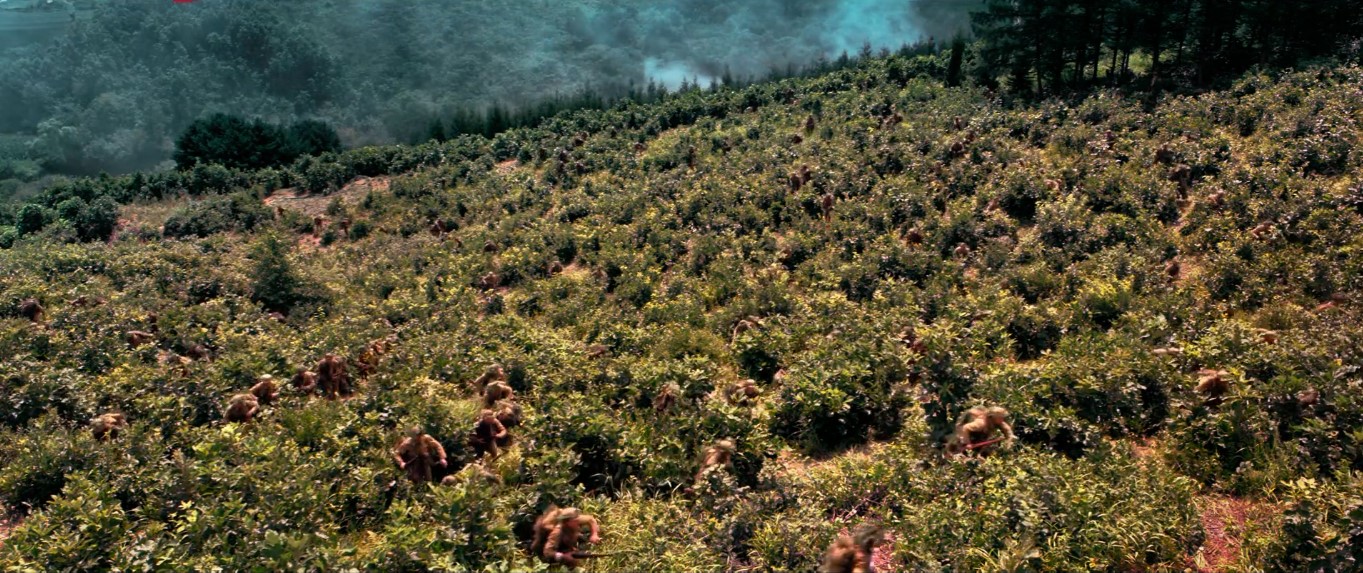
{"points": [[1013, 39], [954, 64], [312, 137], [437, 131], [1194, 43], [32, 218], [98, 220], [233, 142]]}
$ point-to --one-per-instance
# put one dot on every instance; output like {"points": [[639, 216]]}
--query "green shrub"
{"points": [[1035, 330], [32, 218], [1103, 301], [84, 529], [39, 461], [839, 397], [360, 229], [239, 212], [1322, 527], [274, 283]]}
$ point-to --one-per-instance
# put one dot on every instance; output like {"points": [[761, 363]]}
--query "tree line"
{"points": [[1048, 46], [500, 116]]}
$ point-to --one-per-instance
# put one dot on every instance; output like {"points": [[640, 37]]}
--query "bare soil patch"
{"points": [[1226, 521], [314, 205], [150, 215]]}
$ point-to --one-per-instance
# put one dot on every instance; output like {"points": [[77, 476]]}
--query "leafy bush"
{"points": [[841, 395], [1322, 528], [31, 219], [239, 212], [1102, 302], [274, 283]]}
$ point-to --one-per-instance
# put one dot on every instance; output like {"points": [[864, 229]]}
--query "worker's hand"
{"points": [[595, 539], [566, 559], [402, 465], [442, 463]]}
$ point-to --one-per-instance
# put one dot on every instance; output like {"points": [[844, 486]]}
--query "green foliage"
{"points": [[1177, 36], [83, 530], [39, 461], [241, 212], [235, 143], [867, 333], [98, 220], [1102, 302], [838, 395], [31, 219], [312, 137], [274, 283], [1322, 527]]}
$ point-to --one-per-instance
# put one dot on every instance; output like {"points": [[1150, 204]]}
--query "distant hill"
{"points": [[24, 28]]}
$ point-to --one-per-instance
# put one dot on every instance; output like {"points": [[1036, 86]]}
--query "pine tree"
{"points": [[437, 131], [954, 65]]}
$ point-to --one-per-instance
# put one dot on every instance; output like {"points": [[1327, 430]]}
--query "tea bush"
{"points": [[1018, 257]]}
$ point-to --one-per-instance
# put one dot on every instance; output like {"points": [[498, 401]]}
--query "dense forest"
{"points": [[818, 275], [1057, 45]]}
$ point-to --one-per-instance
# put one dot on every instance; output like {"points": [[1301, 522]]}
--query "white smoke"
{"points": [[680, 40], [878, 23], [672, 75]]}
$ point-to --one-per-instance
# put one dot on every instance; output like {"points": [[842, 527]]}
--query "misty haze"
{"points": [[105, 85]]}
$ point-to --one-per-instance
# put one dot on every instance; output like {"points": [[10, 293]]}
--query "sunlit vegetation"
{"points": [[975, 251]]}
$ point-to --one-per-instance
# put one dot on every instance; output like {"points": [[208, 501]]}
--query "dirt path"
{"points": [[1227, 521], [799, 466]]}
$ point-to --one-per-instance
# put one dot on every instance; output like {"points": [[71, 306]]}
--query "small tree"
{"points": [[274, 284], [98, 220], [32, 218]]}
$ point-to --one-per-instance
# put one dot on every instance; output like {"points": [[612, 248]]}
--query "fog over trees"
{"points": [[113, 87]]}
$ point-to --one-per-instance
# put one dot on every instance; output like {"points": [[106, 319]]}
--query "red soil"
{"points": [[1225, 519], [312, 205]]}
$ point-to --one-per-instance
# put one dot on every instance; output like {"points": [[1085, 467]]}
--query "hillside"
{"points": [[877, 252]]}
